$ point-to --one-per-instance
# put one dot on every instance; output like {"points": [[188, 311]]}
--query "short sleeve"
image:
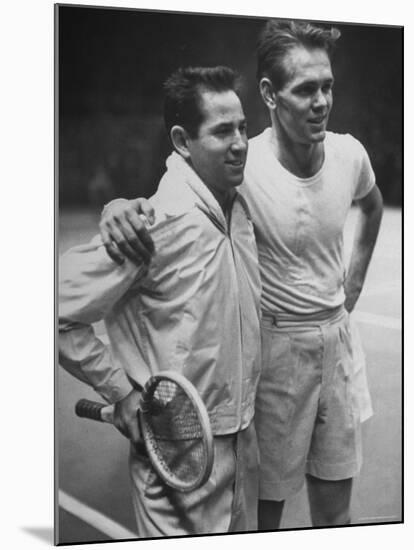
{"points": [[365, 177]]}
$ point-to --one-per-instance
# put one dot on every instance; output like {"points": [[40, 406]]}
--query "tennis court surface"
{"points": [[94, 499]]}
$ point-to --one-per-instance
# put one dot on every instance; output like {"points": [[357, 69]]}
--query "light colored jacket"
{"points": [[195, 309]]}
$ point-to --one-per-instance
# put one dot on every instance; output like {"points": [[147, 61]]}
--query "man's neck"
{"points": [[225, 200], [302, 160]]}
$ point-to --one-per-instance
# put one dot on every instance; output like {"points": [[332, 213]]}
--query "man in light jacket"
{"points": [[194, 309]]}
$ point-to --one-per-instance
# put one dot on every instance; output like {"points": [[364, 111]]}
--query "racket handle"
{"points": [[95, 411]]}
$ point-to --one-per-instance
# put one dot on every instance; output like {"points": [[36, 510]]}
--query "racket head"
{"points": [[176, 430]]}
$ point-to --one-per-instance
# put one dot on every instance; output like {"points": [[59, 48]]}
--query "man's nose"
{"points": [[239, 142], [320, 100]]}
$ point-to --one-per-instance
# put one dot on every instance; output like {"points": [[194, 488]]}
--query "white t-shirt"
{"points": [[299, 222]]}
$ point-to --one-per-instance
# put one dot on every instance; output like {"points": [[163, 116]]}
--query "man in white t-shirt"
{"points": [[300, 182]]}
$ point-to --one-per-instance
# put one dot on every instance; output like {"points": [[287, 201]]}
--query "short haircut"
{"points": [[183, 89], [279, 37]]}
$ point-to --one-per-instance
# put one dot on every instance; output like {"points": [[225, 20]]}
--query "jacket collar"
{"points": [[180, 171]]}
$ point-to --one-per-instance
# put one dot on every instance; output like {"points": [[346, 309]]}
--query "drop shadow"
{"points": [[43, 533]]}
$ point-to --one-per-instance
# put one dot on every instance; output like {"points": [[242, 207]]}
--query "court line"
{"points": [[380, 518], [96, 519], [379, 320]]}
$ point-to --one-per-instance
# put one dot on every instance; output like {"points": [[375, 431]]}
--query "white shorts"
{"points": [[307, 413]]}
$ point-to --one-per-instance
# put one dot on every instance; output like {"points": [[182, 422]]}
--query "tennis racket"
{"points": [[175, 427]]}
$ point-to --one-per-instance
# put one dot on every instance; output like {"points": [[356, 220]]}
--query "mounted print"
{"points": [[228, 274]]}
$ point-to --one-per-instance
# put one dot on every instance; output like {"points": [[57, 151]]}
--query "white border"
{"points": [[26, 36]]}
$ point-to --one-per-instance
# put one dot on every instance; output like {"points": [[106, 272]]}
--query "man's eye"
{"points": [[327, 88], [307, 90]]}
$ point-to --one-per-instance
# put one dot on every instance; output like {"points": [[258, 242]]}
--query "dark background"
{"points": [[112, 64]]}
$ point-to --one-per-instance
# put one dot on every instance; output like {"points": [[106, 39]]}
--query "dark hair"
{"points": [[183, 93], [278, 37]]}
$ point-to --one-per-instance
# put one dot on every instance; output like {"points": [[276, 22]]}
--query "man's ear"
{"points": [[268, 93], [179, 138]]}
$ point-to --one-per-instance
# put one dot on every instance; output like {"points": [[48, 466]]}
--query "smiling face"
{"points": [[304, 102], [218, 151]]}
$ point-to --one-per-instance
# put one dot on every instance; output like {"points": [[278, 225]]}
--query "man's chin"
{"points": [[317, 137], [238, 182], [235, 180]]}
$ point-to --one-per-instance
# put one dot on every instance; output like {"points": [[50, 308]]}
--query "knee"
{"points": [[329, 501], [326, 517]]}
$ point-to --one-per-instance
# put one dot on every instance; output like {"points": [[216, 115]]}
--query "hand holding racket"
{"points": [[175, 427]]}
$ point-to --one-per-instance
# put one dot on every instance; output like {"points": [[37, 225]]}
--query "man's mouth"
{"points": [[317, 120]]}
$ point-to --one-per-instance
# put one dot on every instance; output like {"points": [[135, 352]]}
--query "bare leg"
{"points": [[329, 501], [270, 514]]}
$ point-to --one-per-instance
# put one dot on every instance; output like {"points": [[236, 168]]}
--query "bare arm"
{"points": [[366, 233], [124, 232]]}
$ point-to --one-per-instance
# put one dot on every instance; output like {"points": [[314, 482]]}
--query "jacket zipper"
{"points": [[229, 236]]}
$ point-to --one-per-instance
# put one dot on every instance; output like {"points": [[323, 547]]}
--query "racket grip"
{"points": [[89, 409]]}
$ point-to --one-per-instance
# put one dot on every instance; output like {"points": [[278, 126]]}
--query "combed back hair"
{"points": [[182, 104], [278, 37]]}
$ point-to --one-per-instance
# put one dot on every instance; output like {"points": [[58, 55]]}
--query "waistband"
{"points": [[289, 320]]}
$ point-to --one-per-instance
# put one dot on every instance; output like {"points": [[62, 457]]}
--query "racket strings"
{"points": [[174, 432]]}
